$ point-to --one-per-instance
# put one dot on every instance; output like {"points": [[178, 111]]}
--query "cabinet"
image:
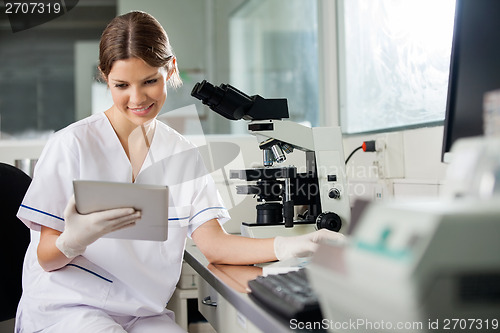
{"points": [[223, 317], [187, 289]]}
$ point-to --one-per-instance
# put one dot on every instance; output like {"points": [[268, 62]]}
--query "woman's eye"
{"points": [[151, 81], [121, 85]]}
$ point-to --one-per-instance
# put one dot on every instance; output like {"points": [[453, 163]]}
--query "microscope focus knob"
{"points": [[329, 220], [334, 193]]}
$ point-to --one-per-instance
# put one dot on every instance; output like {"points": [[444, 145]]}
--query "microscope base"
{"points": [[254, 230]]}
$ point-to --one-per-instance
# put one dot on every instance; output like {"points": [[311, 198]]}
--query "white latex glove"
{"points": [[82, 230], [303, 245]]}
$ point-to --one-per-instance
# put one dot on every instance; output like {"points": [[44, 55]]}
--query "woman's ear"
{"points": [[173, 68], [102, 77], [173, 75]]}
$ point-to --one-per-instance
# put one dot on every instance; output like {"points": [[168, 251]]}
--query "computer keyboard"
{"points": [[287, 294]]}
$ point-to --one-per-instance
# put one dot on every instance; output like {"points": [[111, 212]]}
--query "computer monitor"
{"points": [[474, 68]]}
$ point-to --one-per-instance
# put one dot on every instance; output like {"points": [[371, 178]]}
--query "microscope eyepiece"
{"points": [[224, 99], [207, 93]]}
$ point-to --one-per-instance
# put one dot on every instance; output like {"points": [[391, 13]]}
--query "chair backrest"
{"points": [[14, 239]]}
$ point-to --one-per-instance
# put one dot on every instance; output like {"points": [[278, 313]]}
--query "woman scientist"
{"points": [[76, 281]]}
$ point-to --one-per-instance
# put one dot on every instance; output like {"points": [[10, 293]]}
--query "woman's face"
{"points": [[138, 90]]}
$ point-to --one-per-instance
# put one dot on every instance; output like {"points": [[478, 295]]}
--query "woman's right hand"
{"points": [[82, 230]]}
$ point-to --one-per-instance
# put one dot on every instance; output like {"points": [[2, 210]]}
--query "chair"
{"points": [[14, 239]]}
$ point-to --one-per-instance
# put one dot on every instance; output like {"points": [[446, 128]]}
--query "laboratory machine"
{"points": [[421, 265]]}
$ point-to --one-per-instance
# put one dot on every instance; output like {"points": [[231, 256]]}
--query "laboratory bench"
{"points": [[223, 296]]}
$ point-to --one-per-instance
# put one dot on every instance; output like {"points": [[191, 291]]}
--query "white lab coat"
{"points": [[122, 277]]}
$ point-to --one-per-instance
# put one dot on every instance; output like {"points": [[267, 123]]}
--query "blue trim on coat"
{"points": [[178, 218], [89, 271], [42, 212], [201, 211], [190, 219]]}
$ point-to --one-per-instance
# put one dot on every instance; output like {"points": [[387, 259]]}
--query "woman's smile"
{"points": [[141, 111]]}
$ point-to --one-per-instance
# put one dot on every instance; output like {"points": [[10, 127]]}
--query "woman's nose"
{"points": [[137, 96]]}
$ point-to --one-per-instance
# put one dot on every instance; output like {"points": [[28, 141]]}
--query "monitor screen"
{"points": [[474, 68]]}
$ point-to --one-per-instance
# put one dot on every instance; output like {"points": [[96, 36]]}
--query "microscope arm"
{"points": [[324, 152]]}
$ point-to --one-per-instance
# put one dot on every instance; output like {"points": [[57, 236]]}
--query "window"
{"points": [[37, 69], [393, 62], [274, 53]]}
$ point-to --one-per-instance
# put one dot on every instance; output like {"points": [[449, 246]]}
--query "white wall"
{"points": [[423, 174], [11, 150]]}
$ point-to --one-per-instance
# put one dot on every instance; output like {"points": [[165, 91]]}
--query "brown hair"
{"points": [[137, 35]]}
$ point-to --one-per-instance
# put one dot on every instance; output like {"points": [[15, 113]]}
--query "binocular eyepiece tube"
{"points": [[233, 104]]}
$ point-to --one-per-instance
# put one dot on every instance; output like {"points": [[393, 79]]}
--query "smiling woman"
{"points": [[126, 143]]}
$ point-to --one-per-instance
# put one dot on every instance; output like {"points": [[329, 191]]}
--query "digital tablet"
{"points": [[151, 200]]}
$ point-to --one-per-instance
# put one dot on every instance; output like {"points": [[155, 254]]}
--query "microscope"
{"points": [[320, 189]]}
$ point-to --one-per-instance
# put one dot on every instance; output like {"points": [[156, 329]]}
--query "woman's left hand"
{"points": [[303, 245]]}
